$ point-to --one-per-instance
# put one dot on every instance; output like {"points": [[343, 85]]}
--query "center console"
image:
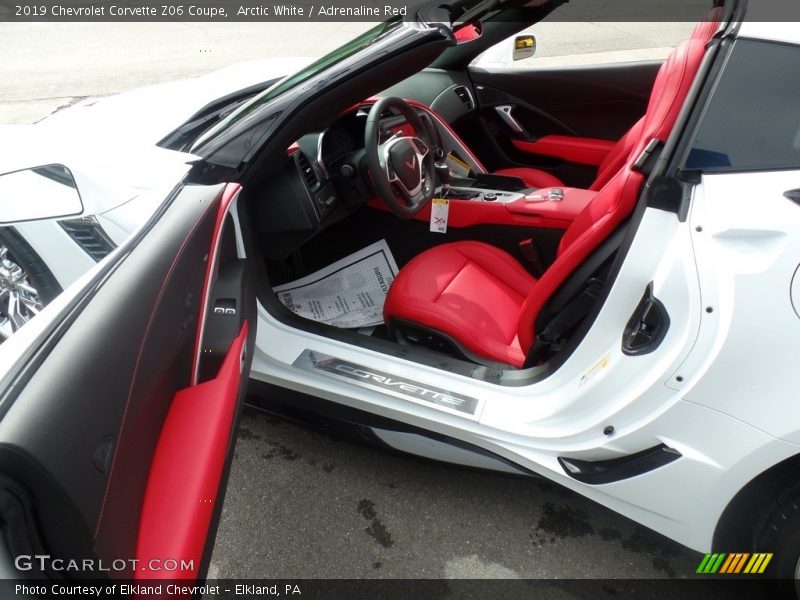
{"points": [[547, 207], [479, 195], [485, 187]]}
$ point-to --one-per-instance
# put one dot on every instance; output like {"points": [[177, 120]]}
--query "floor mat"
{"points": [[348, 293]]}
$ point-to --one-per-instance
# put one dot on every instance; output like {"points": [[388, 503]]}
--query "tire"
{"points": [[26, 257], [779, 533]]}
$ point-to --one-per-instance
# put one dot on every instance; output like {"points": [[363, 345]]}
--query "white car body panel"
{"points": [[65, 259], [126, 128], [747, 255], [785, 32]]}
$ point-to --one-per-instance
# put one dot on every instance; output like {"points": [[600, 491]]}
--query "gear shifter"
{"points": [[442, 171]]}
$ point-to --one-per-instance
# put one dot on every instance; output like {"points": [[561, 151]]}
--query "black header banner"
{"points": [[204, 10], [363, 10]]}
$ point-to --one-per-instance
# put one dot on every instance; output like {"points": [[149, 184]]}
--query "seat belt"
{"points": [[557, 330], [531, 255]]}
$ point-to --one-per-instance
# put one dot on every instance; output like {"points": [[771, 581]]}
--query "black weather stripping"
{"points": [[793, 195], [647, 326], [596, 472]]}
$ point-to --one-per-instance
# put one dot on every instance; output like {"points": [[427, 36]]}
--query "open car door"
{"points": [[119, 406]]}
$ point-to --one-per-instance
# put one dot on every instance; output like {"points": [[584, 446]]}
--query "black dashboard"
{"points": [[324, 178]]}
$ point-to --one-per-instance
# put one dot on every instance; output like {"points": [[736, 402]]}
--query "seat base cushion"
{"points": [[533, 178], [471, 292]]}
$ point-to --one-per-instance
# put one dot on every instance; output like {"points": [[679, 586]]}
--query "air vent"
{"points": [[307, 171], [463, 94], [90, 236]]}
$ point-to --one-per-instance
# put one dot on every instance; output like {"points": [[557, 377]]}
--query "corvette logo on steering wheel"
{"points": [[412, 163]]}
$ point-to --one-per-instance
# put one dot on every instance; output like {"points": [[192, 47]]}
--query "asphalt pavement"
{"points": [[301, 504]]}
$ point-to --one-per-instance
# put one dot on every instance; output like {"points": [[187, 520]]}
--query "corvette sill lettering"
{"points": [[386, 382]]}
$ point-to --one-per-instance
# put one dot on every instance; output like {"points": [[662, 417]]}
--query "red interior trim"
{"points": [[294, 148], [185, 475], [406, 129], [547, 215], [468, 32], [586, 151]]}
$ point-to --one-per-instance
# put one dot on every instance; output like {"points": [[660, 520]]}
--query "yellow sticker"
{"points": [[595, 370], [458, 168]]}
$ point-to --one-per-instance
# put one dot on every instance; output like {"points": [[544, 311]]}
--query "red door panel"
{"points": [[586, 151], [183, 486]]}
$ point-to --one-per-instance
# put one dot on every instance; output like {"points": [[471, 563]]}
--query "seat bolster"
{"points": [[609, 208], [468, 291]]}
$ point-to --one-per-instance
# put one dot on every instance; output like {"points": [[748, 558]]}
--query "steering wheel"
{"points": [[402, 167]]}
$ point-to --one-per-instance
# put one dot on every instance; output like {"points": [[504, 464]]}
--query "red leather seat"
{"points": [[481, 297], [616, 157], [438, 289]]}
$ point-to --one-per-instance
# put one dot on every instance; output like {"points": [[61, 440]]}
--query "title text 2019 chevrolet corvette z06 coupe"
{"points": [[587, 274]]}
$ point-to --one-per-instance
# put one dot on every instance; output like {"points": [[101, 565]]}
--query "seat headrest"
{"points": [[670, 90], [706, 28]]}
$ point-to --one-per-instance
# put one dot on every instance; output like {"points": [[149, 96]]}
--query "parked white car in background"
{"points": [[116, 197]]}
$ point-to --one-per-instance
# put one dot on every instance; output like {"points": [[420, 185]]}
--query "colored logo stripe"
{"points": [[758, 563], [734, 563], [711, 563]]}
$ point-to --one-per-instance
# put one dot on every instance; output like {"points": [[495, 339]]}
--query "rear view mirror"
{"points": [[524, 46], [46, 192]]}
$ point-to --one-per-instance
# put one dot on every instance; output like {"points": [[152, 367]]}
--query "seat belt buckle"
{"points": [[531, 255]]}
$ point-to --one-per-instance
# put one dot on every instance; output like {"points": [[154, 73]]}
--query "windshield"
{"points": [[349, 49], [238, 134], [342, 53]]}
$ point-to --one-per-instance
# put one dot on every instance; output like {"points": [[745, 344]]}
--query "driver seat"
{"points": [[482, 299]]}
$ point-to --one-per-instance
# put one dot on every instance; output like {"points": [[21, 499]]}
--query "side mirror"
{"points": [[524, 47], [502, 54], [47, 192]]}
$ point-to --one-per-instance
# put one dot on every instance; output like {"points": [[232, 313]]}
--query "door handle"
{"points": [[504, 111]]}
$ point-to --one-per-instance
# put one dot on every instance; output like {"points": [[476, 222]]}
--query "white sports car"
{"points": [[581, 273]]}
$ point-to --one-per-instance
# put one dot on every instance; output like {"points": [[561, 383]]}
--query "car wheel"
{"points": [[26, 284], [778, 534]]}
